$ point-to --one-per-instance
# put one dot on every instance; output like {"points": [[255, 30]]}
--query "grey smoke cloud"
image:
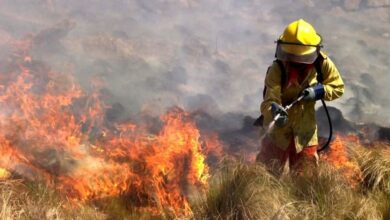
{"points": [[200, 54]]}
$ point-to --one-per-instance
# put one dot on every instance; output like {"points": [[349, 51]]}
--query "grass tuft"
{"points": [[247, 191], [242, 191], [375, 166]]}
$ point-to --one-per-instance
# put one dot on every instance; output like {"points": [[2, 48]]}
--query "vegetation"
{"points": [[248, 191], [238, 190], [26, 200]]}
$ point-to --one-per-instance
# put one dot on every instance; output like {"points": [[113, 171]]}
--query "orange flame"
{"points": [[339, 157], [50, 127]]}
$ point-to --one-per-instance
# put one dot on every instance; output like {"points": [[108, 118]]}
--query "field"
{"points": [[237, 190], [134, 109]]}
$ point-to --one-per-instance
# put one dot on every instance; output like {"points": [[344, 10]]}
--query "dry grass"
{"points": [[375, 165], [237, 190], [21, 200], [247, 191], [328, 195], [242, 191]]}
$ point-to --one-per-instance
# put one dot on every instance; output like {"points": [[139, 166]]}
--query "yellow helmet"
{"points": [[299, 43]]}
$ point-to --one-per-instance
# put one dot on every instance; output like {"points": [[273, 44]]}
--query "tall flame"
{"points": [[51, 130]]}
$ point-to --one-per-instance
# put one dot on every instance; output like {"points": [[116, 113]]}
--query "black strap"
{"points": [[301, 44], [318, 65], [283, 75]]}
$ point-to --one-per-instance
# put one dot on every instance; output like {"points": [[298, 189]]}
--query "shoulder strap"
{"points": [[265, 87], [318, 65], [282, 72]]}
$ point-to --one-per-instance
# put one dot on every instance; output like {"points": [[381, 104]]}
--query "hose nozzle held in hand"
{"points": [[280, 115]]}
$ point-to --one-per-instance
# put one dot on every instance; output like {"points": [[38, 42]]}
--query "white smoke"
{"points": [[200, 53]]}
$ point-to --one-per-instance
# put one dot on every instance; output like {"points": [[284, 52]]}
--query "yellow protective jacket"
{"points": [[301, 125]]}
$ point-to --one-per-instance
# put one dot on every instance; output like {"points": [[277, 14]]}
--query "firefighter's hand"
{"points": [[313, 93], [279, 114]]}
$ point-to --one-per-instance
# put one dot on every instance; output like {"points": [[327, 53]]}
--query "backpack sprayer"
{"points": [[317, 64]]}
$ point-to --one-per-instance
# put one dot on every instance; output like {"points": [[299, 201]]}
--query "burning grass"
{"points": [[76, 163], [237, 190], [55, 132]]}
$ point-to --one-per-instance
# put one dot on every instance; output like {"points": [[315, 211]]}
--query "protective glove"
{"points": [[314, 93], [283, 117]]}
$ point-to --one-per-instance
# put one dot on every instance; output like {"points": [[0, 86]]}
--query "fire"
{"points": [[53, 131], [339, 157], [4, 174]]}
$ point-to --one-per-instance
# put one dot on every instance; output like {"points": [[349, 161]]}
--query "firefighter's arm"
{"points": [[332, 81], [272, 84]]}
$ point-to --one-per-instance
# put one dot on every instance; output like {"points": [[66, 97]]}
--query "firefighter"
{"points": [[300, 68]]}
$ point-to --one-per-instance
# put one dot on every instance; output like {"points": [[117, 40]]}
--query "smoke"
{"points": [[200, 54]]}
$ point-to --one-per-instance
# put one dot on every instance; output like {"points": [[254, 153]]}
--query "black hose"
{"points": [[326, 145]]}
